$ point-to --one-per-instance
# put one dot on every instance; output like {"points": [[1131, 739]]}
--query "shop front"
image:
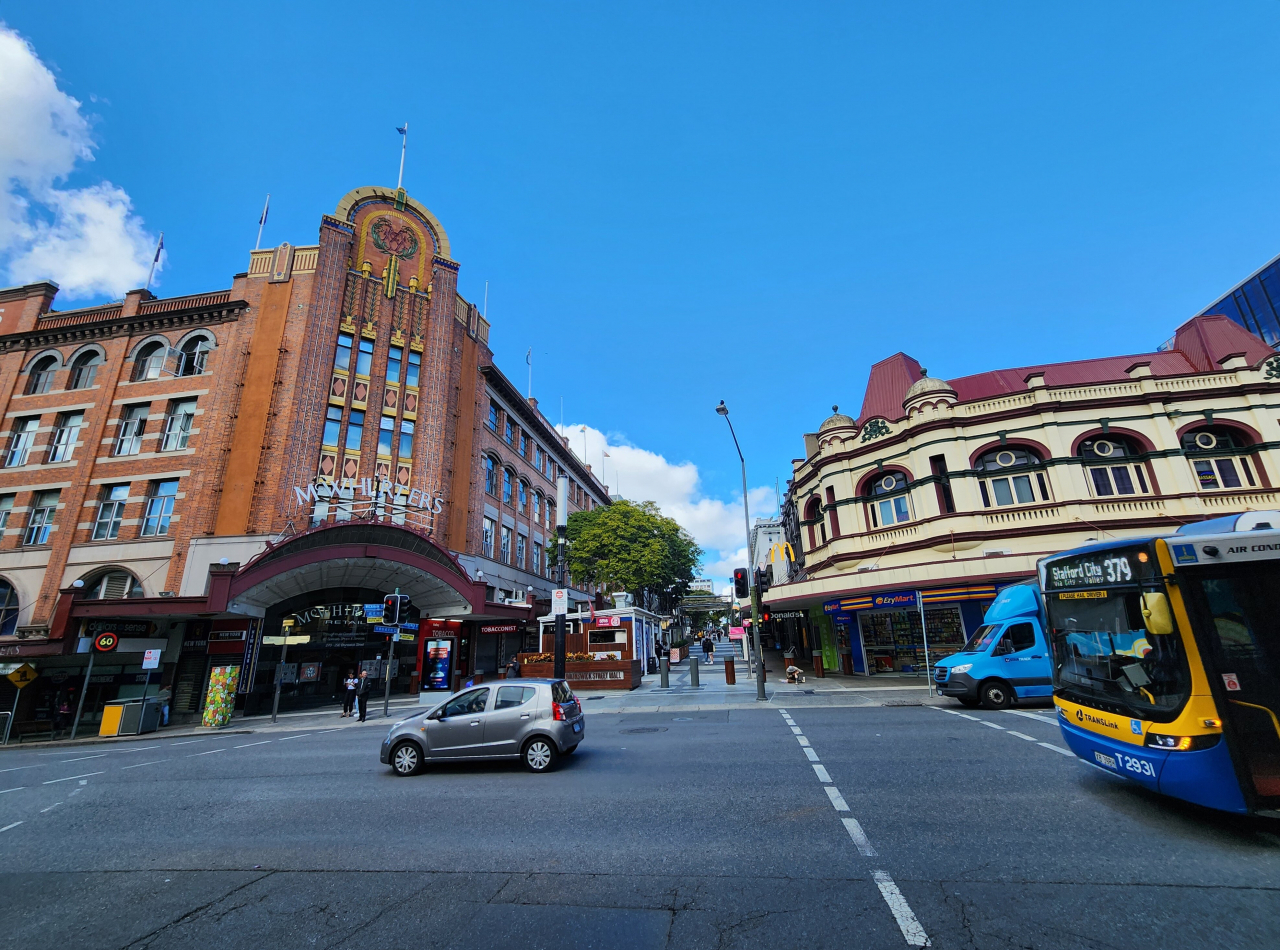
{"points": [[891, 632]]}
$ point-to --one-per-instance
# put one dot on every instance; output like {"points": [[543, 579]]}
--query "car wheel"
{"points": [[968, 701], [539, 754], [997, 695], [406, 758]]}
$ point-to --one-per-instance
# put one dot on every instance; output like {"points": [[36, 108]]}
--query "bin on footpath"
{"points": [[730, 676], [130, 717]]}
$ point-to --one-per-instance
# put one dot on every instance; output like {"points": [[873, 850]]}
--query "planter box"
{"points": [[598, 674], [675, 655]]}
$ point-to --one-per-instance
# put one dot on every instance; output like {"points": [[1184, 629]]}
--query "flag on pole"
{"points": [[265, 208], [605, 454], [159, 248], [403, 129]]}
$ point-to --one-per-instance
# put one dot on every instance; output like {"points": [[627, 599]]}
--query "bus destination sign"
{"points": [[1123, 566]]}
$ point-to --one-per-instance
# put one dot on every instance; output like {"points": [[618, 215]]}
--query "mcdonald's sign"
{"points": [[783, 551]]}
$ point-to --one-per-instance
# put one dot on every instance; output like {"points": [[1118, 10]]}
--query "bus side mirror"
{"points": [[1156, 616]]}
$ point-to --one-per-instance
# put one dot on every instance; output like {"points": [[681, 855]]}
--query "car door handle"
{"points": [[525, 716], [475, 722], [1037, 656]]}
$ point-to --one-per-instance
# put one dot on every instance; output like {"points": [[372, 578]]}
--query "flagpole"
{"points": [[262, 221], [404, 144], [151, 273], [528, 358]]}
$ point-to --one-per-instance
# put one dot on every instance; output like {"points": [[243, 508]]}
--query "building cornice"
{"points": [[114, 325]]}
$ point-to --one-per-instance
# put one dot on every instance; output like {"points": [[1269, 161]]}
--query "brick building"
{"points": [[188, 472]]}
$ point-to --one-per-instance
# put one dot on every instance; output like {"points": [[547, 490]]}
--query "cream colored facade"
{"points": [[1084, 451]]}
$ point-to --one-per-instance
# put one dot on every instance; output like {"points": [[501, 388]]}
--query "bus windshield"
{"points": [[1104, 657]]}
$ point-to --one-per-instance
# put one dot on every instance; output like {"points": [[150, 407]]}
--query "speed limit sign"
{"points": [[106, 642]]}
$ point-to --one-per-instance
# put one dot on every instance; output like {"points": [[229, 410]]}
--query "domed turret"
{"points": [[929, 389], [836, 421]]}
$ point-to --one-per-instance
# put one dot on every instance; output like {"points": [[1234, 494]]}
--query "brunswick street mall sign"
{"points": [[375, 489]]}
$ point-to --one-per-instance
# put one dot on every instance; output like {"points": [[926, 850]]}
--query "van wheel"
{"points": [[539, 754], [997, 695], [968, 701], [406, 758]]}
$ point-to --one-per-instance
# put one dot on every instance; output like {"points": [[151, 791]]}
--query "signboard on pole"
{"points": [[24, 674], [151, 659], [560, 602], [737, 633]]}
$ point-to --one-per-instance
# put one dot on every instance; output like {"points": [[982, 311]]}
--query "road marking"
{"points": [[796, 730], [821, 772], [837, 800], [7, 827], [100, 755], [210, 752], [248, 744], [50, 808], [19, 768], [187, 742], [802, 740], [991, 724], [1029, 715], [1022, 735], [16, 788], [813, 756], [54, 781], [327, 731], [949, 712], [139, 765], [911, 929], [301, 735], [1055, 748], [967, 716], [859, 837]]}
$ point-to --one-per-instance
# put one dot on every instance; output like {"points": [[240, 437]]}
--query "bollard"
{"points": [[664, 669], [730, 677], [693, 672]]}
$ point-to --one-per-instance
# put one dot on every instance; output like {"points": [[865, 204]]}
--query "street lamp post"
{"points": [[751, 561], [562, 526]]}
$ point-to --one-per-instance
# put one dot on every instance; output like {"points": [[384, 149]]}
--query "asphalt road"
{"points": [[708, 829]]}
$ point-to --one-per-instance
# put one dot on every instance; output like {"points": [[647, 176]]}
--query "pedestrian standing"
{"points": [[706, 648], [711, 650], [349, 694], [362, 693], [513, 668]]}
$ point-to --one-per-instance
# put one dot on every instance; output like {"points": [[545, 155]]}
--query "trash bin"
{"points": [[130, 717], [653, 664]]}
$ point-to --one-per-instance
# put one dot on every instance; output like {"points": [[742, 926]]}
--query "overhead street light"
{"points": [[751, 558]]}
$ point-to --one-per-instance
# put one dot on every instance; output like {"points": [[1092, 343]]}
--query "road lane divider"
{"points": [[859, 837], [16, 788], [910, 926], [1056, 748], [822, 773], [837, 800], [1023, 735], [9, 826], [811, 754], [100, 755], [248, 744], [991, 724], [192, 755], [55, 781], [803, 741], [138, 765]]}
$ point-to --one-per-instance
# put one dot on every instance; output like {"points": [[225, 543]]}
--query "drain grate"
{"points": [[903, 702], [641, 730]]}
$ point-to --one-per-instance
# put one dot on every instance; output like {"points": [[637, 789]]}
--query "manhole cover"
{"points": [[903, 702], [682, 719], [639, 730]]}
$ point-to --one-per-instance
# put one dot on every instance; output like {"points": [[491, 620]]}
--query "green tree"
{"points": [[632, 547]]}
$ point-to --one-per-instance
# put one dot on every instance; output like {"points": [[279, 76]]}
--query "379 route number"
{"points": [[1117, 570]]}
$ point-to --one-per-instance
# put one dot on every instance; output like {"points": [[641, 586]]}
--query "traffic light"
{"points": [[395, 609], [764, 578], [740, 587]]}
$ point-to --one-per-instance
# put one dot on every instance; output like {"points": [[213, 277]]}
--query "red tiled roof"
{"points": [[1200, 346]]}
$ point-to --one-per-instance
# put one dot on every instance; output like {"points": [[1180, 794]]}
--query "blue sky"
{"points": [[677, 203]]}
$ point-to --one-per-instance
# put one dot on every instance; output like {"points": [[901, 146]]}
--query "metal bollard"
{"points": [[693, 672], [664, 670]]}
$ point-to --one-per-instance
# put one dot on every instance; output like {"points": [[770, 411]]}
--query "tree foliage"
{"points": [[631, 547]]}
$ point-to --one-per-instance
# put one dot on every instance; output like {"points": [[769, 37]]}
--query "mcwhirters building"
{"points": [[189, 472], [941, 491]]}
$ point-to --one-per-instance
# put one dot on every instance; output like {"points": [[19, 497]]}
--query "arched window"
{"points": [[41, 376], [1008, 477], [523, 495], [8, 609], [112, 585], [149, 361], [1112, 466], [84, 369], [193, 356], [1217, 455], [813, 518], [507, 479], [490, 475], [891, 504]]}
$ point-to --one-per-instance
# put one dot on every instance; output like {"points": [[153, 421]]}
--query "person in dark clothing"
{"points": [[349, 693], [363, 688], [513, 668]]}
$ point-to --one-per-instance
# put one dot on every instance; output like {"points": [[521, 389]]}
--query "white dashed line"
{"points": [[50, 808], [248, 744], [54, 781], [16, 788], [991, 724], [859, 837], [1030, 715], [821, 772], [301, 735], [837, 800], [139, 765], [911, 929], [813, 756], [1055, 748], [187, 742], [209, 752], [802, 740], [949, 712], [1022, 735], [83, 757], [967, 716], [796, 730], [19, 768], [7, 827]]}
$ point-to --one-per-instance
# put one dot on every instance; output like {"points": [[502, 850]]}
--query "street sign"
{"points": [[382, 629], [559, 602], [403, 637], [106, 642], [151, 659], [23, 675]]}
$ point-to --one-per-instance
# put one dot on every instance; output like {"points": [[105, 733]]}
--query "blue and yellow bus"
{"points": [[1166, 659]]}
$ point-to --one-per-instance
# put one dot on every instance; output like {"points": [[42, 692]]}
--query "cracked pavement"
{"points": [[712, 834]]}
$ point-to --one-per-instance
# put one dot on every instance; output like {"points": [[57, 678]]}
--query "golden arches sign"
{"points": [[783, 550]]}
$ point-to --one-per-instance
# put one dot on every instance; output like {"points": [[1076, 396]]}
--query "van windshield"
{"points": [[982, 638], [1104, 657]]}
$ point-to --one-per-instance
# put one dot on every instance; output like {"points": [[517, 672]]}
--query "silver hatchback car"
{"points": [[534, 720]]}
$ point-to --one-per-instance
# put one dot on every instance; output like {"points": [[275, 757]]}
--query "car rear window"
{"points": [[509, 696], [561, 692]]}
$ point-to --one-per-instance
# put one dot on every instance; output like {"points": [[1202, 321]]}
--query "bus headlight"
{"points": [[962, 668], [1182, 743]]}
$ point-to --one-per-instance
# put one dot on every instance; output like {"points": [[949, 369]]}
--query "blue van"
{"points": [[1007, 658]]}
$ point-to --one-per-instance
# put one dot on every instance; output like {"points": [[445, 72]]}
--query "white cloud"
{"points": [[640, 475], [86, 239]]}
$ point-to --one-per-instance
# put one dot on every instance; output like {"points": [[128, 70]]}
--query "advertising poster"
{"points": [[438, 660], [221, 700], [308, 672]]}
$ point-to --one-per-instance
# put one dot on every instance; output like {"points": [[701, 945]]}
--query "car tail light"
{"points": [[557, 711]]}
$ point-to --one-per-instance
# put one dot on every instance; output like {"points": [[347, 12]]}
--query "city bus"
{"points": [[1166, 659]]}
